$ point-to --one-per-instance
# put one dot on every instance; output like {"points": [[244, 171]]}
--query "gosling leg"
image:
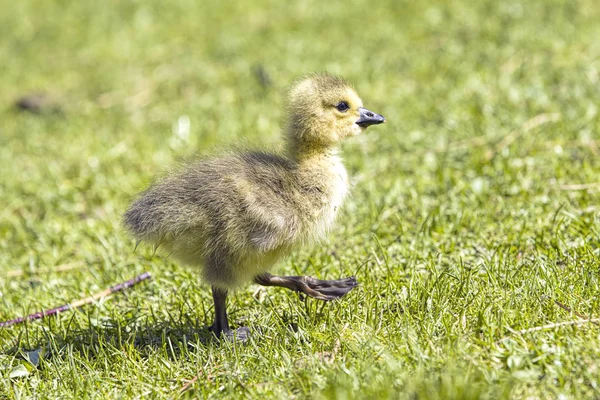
{"points": [[315, 288], [221, 325]]}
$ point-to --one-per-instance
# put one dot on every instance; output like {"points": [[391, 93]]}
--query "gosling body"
{"points": [[234, 216]]}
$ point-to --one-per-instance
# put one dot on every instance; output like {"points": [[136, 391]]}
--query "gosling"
{"points": [[234, 216]]}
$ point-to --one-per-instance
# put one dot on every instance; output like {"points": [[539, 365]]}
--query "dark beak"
{"points": [[368, 118]]}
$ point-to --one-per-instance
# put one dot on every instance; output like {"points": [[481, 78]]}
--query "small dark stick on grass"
{"points": [[190, 383], [568, 309], [78, 303]]}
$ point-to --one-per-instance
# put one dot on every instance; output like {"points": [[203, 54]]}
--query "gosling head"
{"points": [[323, 110]]}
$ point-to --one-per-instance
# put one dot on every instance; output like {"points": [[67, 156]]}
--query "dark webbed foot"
{"points": [[325, 290], [315, 288]]}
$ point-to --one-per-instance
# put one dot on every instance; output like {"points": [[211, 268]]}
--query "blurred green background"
{"points": [[474, 209]]}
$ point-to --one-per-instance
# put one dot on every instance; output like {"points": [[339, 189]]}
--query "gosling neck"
{"points": [[306, 144], [306, 152]]}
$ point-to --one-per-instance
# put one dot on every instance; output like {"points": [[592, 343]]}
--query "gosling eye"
{"points": [[342, 106]]}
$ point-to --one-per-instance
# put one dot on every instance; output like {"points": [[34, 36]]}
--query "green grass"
{"points": [[462, 228]]}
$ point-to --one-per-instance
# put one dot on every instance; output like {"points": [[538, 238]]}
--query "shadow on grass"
{"points": [[172, 337], [169, 338]]}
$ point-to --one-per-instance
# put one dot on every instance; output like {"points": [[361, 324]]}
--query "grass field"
{"points": [[473, 218]]}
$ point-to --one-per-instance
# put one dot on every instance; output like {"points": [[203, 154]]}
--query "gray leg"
{"points": [[221, 325], [322, 290]]}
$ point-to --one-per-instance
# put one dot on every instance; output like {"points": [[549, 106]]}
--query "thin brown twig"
{"points": [[464, 144], [581, 186], [58, 268], [569, 309], [591, 145], [78, 303], [584, 320], [530, 124], [551, 326], [573, 143], [478, 141], [190, 382]]}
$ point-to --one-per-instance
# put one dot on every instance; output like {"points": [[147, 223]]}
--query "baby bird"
{"points": [[234, 216]]}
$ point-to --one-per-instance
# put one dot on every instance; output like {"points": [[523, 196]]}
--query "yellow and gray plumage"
{"points": [[234, 216]]}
